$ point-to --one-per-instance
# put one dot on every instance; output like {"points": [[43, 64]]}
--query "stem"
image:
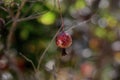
{"points": [[27, 59], [58, 1], [80, 23], [14, 25], [3, 9], [43, 54], [31, 17]]}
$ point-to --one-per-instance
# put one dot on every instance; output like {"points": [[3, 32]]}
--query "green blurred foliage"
{"points": [[33, 36]]}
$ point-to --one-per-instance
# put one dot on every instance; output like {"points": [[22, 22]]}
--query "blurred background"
{"points": [[93, 25]]}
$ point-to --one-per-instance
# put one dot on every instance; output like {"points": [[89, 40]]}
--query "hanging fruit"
{"points": [[63, 40]]}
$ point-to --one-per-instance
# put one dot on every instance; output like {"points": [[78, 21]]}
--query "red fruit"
{"points": [[63, 40]]}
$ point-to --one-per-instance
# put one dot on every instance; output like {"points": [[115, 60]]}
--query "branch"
{"points": [[14, 24], [60, 14], [31, 17], [3, 9], [43, 54], [78, 25], [27, 18], [62, 27], [27, 59], [28, 10], [9, 40]]}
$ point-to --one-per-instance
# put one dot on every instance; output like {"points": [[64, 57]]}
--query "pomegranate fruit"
{"points": [[63, 40]]}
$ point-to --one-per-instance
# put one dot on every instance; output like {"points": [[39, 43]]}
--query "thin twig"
{"points": [[29, 60], [58, 1], [31, 17], [14, 25], [3, 9], [10, 21], [78, 25], [10, 12], [27, 11], [62, 26], [27, 18], [43, 54], [34, 16], [20, 8]]}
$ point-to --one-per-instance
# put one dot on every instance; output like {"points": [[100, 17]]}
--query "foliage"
{"points": [[28, 29]]}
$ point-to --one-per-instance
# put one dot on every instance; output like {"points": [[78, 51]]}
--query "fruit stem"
{"points": [[58, 1], [63, 52]]}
